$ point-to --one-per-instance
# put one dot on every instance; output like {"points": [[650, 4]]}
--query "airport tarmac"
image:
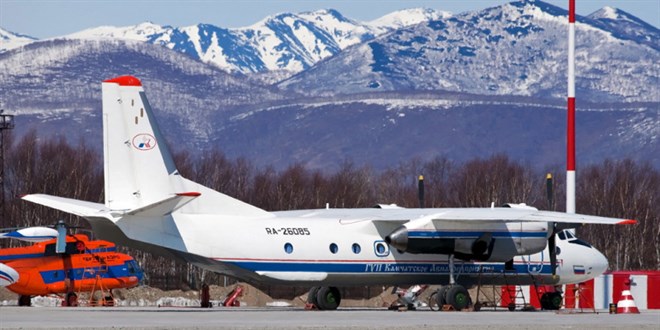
{"points": [[295, 318]]}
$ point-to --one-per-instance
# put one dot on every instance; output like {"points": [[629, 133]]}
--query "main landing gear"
{"points": [[324, 298], [454, 295]]}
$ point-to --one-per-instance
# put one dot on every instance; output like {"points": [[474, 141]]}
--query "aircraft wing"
{"points": [[68, 205], [508, 215], [576, 218]]}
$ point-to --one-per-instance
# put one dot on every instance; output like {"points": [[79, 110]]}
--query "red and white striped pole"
{"points": [[570, 131]]}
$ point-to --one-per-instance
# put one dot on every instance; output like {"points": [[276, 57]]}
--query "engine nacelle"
{"points": [[8, 275], [489, 241]]}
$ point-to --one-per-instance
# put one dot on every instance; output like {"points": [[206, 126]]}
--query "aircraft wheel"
{"points": [[71, 299], [458, 297], [433, 301], [328, 298], [311, 296], [551, 301], [441, 296], [24, 300]]}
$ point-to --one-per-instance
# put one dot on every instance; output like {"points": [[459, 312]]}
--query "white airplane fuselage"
{"points": [[301, 251]]}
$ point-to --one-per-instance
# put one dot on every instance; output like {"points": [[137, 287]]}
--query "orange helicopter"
{"points": [[65, 267]]}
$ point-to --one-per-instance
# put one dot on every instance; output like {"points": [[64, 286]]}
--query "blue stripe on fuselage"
{"points": [[388, 268]]}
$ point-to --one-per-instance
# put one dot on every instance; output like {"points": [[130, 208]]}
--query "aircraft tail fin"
{"points": [[140, 174]]}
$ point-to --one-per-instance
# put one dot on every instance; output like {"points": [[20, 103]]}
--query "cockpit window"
{"points": [[569, 235], [562, 236], [580, 242]]}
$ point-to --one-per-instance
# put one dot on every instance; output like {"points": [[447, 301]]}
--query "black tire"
{"points": [[311, 296], [71, 299], [328, 298], [441, 296], [551, 301], [512, 307], [458, 297], [24, 300], [433, 301]]}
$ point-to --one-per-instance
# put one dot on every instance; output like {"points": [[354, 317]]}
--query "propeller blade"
{"points": [[552, 248]]}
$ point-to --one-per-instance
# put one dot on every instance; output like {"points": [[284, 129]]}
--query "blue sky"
{"points": [[51, 18]]}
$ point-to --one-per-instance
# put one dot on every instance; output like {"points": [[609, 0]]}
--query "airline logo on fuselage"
{"points": [[144, 141]]}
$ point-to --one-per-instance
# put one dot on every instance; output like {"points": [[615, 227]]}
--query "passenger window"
{"points": [[334, 248], [356, 248], [381, 249], [288, 248]]}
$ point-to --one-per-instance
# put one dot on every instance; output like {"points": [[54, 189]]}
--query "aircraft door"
{"points": [[534, 262]]}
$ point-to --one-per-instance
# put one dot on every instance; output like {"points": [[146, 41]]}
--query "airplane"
{"points": [[82, 265], [150, 206]]}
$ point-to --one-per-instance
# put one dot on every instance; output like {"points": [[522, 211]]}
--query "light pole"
{"points": [[6, 122]]}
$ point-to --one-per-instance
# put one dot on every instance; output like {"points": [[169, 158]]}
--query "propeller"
{"points": [[552, 240]]}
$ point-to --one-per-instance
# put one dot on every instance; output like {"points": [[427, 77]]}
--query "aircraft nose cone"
{"points": [[599, 263]]}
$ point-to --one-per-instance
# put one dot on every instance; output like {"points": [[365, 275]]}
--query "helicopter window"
{"points": [[580, 242], [71, 248], [131, 267]]}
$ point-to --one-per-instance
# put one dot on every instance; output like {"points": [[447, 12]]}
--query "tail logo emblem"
{"points": [[144, 141]]}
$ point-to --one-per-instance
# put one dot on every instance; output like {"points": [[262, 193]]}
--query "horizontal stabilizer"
{"points": [[165, 206], [68, 205]]}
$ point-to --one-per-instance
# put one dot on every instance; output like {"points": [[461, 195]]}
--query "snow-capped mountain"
{"points": [[10, 40], [408, 17], [464, 86], [515, 49], [626, 26], [57, 82], [284, 42]]}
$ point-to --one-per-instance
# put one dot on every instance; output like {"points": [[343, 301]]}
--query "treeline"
{"points": [[614, 188]]}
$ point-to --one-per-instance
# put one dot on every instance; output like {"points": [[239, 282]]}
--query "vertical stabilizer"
{"points": [[140, 175], [137, 163]]}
